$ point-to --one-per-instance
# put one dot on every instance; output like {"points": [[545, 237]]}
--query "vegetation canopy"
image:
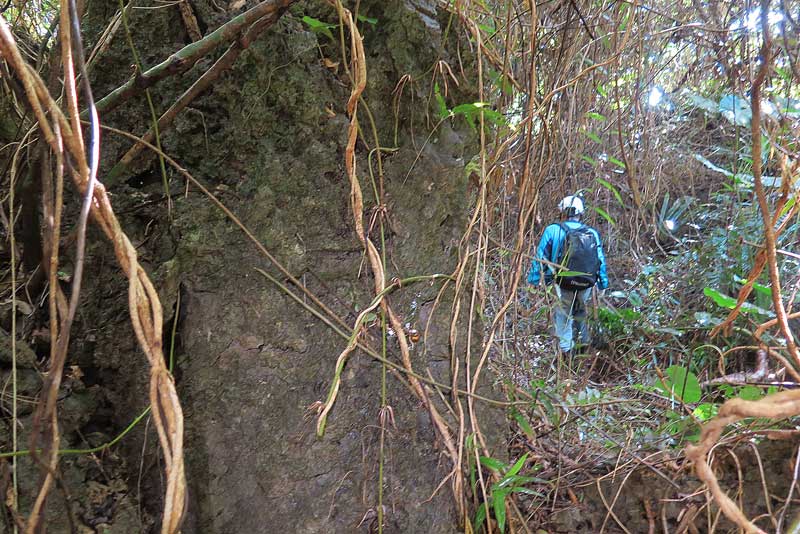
{"points": [[315, 219]]}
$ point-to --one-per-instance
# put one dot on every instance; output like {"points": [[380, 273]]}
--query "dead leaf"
{"points": [[24, 308], [75, 372]]}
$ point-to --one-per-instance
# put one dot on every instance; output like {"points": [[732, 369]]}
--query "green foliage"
{"points": [[510, 482], [720, 299], [680, 383], [319, 27], [604, 214], [749, 393], [441, 105], [368, 20], [617, 162], [613, 190], [593, 136], [523, 422], [501, 81], [618, 322], [729, 303], [705, 411], [472, 112]]}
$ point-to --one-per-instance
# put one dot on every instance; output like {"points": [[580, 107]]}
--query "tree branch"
{"points": [[224, 63], [186, 57]]}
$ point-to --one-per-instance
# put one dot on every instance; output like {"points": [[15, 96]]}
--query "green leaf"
{"points": [[464, 109], [488, 29], [589, 160], [517, 480], [729, 303], [727, 390], [749, 393], [788, 206], [593, 136], [516, 467], [616, 162], [604, 214], [473, 111], [441, 104], [596, 116], [501, 81], [523, 423], [493, 463], [705, 411], [480, 517], [499, 505], [681, 383], [317, 26], [759, 288], [625, 18], [719, 299], [368, 20], [611, 188]]}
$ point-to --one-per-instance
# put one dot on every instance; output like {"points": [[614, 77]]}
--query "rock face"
{"points": [[268, 139]]}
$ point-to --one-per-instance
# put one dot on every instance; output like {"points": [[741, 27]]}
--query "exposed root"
{"points": [[358, 72], [779, 405], [145, 307]]}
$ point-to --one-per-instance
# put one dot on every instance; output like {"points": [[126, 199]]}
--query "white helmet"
{"points": [[571, 202]]}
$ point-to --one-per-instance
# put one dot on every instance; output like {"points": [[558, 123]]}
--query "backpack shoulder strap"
{"points": [[557, 250], [596, 234]]}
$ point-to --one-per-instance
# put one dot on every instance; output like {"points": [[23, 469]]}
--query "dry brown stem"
{"points": [[202, 84], [145, 307], [358, 72], [189, 20], [186, 57], [776, 406]]}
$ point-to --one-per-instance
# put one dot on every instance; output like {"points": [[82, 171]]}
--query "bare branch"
{"points": [[186, 57]]}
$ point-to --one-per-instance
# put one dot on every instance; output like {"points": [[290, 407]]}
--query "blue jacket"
{"points": [[549, 248]]}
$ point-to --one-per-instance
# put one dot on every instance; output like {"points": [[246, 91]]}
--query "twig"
{"points": [[777, 405], [609, 509], [198, 87], [46, 408], [189, 20], [795, 473], [186, 57], [144, 304]]}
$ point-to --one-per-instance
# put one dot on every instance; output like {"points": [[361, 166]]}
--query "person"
{"points": [[573, 288]]}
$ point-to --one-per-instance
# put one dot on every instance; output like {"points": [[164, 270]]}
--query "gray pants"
{"points": [[571, 305]]}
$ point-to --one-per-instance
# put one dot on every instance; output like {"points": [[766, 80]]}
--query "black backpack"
{"points": [[578, 259]]}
